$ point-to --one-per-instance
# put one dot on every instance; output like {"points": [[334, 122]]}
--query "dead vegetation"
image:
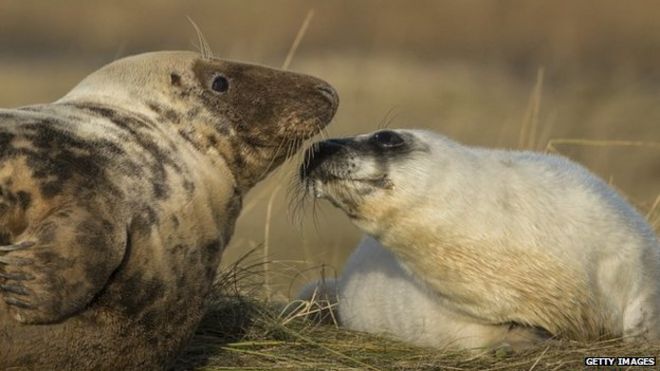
{"points": [[243, 332]]}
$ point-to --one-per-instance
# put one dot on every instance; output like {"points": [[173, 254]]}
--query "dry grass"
{"points": [[576, 77], [245, 333]]}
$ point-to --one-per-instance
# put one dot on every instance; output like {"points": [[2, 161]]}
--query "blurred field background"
{"points": [[494, 73]]}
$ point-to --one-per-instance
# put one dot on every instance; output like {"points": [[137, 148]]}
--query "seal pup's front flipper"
{"points": [[56, 266]]}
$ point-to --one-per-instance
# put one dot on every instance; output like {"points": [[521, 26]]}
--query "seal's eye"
{"points": [[220, 84], [387, 139]]}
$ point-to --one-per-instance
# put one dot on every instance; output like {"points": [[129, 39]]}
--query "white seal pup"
{"points": [[377, 294], [117, 201], [480, 247]]}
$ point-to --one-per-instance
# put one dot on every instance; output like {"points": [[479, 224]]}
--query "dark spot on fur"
{"points": [[151, 320], [139, 293], [164, 113], [161, 190], [27, 359], [210, 272], [235, 204], [175, 79], [155, 107], [24, 199], [5, 143], [139, 130], [188, 139], [96, 273], [175, 221], [145, 220], [210, 253], [181, 282], [238, 152], [172, 116], [95, 233], [189, 186], [47, 230], [5, 238], [178, 249], [53, 260], [152, 290], [193, 112], [7, 195], [212, 248], [60, 158], [51, 189], [128, 300], [63, 213]]}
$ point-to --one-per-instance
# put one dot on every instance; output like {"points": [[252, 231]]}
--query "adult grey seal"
{"points": [[116, 202], [474, 247]]}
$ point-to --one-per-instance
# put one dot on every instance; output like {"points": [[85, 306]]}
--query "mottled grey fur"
{"points": [[117, 201]]}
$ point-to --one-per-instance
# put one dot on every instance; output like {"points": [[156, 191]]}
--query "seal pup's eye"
{"points": [[220, 84], [387, 139]]}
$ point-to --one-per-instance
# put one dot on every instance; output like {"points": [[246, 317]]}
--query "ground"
{"points": [[244, 333]]}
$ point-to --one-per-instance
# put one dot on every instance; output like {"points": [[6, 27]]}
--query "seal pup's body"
{"points": [[117, 201], [509, 245], [377, 294]]}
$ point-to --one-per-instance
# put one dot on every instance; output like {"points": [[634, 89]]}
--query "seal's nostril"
{"points": [[329, 93]]}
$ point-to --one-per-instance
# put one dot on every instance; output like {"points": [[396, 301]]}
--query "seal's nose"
{"points": [[329, 94], [317, 154]]}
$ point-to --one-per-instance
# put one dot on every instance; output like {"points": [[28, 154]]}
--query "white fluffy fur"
{"points": [[478, 238]]}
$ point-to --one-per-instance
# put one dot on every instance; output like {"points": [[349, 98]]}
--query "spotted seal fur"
{"points": [[117, 200]]}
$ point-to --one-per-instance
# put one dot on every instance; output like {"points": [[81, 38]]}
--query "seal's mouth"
{"points": [[343, 171], [317, 157], [315, 183], [326, 165]]}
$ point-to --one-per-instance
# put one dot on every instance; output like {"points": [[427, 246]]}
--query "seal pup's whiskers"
{"points": [[390, 116]]}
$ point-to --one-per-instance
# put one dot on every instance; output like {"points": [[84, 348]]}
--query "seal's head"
{"points": [[378, 176], [253, 116]]}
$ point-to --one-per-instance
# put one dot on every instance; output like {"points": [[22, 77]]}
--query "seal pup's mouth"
{"points": [[316, 185], [349, 172], [330, 166], [355, 160]]}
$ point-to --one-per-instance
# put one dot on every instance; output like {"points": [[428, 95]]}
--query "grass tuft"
{"points": [[244, 332]]}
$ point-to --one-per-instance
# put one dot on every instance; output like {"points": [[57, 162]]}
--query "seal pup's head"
{"points": [[376, 177], [253, 116]]}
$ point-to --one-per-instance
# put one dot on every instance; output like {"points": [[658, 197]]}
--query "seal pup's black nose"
{"points": [[317, 154]]}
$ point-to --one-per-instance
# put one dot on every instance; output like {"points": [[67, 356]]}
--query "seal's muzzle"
{"points": [[318, 153]]}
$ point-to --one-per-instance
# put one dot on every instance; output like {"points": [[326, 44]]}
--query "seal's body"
{"points": [[494, 246], [377, 294], [117, 201]]}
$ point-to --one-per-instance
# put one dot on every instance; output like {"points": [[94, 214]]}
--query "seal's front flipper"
{"points": [[56, 267]]}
